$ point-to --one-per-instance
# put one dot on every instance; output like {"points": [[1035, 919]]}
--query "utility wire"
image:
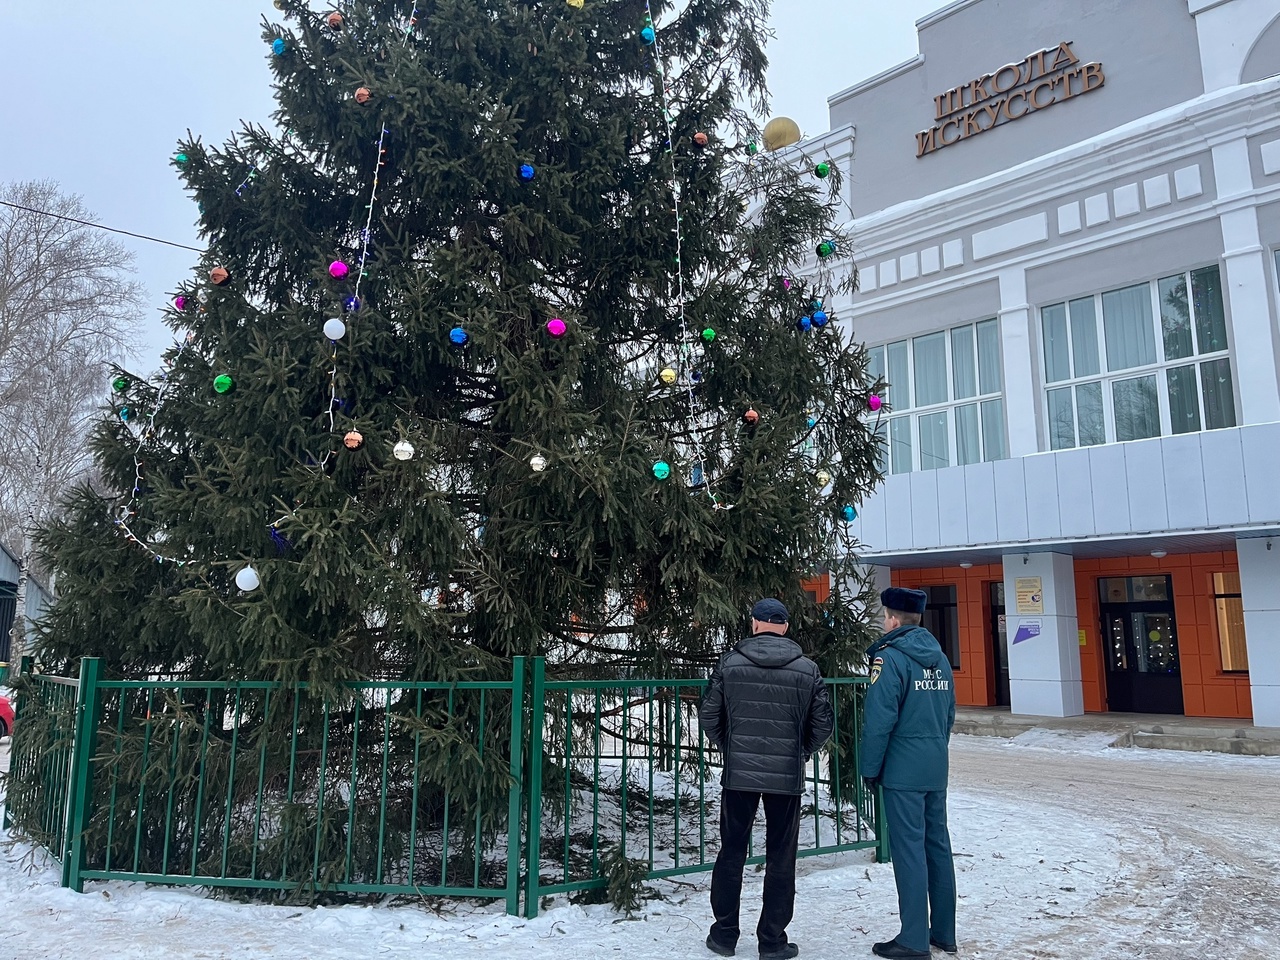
{"points": [[99, 226]]}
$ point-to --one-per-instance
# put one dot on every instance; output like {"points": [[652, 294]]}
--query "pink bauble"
{"points": [[180, 303], [873, 402], [556, 327], [338, 269]]}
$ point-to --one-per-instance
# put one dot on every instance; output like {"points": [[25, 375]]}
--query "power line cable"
{"points": [[99, 226]]}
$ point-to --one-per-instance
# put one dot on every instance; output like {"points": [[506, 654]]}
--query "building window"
{"points": [[945, 394], [1226, 597], [1145, 361], [942, 619]]}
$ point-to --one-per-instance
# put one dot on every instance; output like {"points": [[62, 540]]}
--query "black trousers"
{"points": [[782, 834]]}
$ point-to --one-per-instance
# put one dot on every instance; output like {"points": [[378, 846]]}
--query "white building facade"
{"points": [[1067, 219]]}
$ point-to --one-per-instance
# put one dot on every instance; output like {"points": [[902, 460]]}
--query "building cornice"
{"points": [[862, 86], [950, 10]]}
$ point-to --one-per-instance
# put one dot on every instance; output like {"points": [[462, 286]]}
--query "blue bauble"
{"points": [[648, 36], [804, 323], [277, 46], [351, 304], [819, 318], [849, 514], [458, 335], [526, 172]]}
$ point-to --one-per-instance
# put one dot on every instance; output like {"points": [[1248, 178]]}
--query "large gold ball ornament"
{"points": [[576, 4], [781, 132], [667, 376], [822, 477]]}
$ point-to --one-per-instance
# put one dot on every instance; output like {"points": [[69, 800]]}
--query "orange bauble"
{"points": [[353, 440], [363, 95], [219, 276], [751, 416], [335, 21], [700, 139]]}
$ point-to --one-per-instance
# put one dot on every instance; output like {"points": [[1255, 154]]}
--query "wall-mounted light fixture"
{"points": [[966, 564], [1159, 554]]}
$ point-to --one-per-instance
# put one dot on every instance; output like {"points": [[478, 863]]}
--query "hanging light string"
{"points": [[366, 234], [685, 358], [129, 509]]}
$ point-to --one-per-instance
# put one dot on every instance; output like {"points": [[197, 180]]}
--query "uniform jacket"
{"points": [[910, 708], [767, 710]]}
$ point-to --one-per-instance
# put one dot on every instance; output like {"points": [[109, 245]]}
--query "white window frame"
{"points": [[913, 413], [1109, 378]]}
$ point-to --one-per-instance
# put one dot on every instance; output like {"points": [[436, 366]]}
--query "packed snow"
{"points": [[1064, 849]]}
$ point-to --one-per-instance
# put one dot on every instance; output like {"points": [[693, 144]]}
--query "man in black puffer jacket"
{"points": [[767, 710]]}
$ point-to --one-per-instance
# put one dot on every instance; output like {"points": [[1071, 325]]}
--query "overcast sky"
{"points": [[95, 99]]}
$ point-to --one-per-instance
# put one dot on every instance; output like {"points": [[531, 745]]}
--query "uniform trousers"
{"points": [[923, 868], [782, 834]]}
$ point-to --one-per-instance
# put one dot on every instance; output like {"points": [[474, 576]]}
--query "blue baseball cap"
{"points": [[770, 610]]}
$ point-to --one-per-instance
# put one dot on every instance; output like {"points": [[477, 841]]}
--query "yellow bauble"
{"points": [[576, 4], [823, 478], [668, 376], [781, 132]]}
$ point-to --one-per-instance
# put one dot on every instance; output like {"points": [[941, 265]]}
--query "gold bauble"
{"points": [[822, 477], [781, 132], [576, 4], [668, 376]]}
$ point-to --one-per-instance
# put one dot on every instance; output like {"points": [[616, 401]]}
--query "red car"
{"points": [[6, 717]]}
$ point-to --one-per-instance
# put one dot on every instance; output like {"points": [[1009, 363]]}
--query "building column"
{"points": [[1017, 348], [1247, 289], [1044, 639], [1260, 593]]}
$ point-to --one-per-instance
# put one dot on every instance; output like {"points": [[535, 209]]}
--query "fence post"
{"points": [[883, 854], [536, 723], [80, 796], [516, 790]]}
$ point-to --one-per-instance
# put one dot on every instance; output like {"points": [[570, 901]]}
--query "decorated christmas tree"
{"points": [[508, 341]]}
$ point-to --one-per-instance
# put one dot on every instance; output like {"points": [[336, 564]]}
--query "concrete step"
{"points": [[1211, 741]]}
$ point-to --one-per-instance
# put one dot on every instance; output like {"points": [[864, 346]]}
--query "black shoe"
{"points": [[782, 953], [715, 946], [944, 947], [896, 951]]}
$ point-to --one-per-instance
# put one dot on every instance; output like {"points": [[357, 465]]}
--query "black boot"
{"points": [[896, 951], [785, 952], [944, 947], [715, 946]]}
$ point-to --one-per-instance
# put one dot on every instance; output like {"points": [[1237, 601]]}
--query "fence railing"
{"points": [[273, 787]]}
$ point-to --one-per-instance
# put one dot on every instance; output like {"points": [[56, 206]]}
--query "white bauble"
{"points": [[335, 329], [538, 462], [247, 579], [403, 450]]}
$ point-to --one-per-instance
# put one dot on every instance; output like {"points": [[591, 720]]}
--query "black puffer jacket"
{"points": [[767, 709]]}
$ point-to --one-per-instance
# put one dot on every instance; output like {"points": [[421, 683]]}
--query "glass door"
{"points": [[999, 643], [1143, 670]]}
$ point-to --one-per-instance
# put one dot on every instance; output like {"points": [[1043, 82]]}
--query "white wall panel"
{"points": [[1075, 493], [1043, 522], [1110, 499], [1261, 448], [1184, 482], [924, 509], [1223, 461], [953, 526], [980, 502], [897, 510], [1011, 500], [871, 517], [1144, 468]]}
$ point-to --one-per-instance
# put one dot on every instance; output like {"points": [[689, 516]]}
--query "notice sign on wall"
{"points": [[1030, 595], [1026, 630], [1046, 77]]}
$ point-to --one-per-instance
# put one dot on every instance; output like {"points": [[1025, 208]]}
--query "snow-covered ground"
{"points": [[1065, 849]]}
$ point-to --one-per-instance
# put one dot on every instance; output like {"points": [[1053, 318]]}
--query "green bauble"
{"points": [[120, 384], [223, 383], [823, 170], [708, 334]]}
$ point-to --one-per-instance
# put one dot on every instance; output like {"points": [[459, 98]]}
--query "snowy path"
{"points": [[1065, 850]]}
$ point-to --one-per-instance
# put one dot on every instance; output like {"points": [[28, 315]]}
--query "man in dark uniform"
{"points": [[910, 709], [767, 710]]}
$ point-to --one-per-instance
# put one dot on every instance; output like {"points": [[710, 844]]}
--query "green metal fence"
{"points": [[259, 785], [626, 759]]}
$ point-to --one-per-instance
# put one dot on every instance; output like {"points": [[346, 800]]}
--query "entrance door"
{"points": [[999, 643], [1138, 627]]}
